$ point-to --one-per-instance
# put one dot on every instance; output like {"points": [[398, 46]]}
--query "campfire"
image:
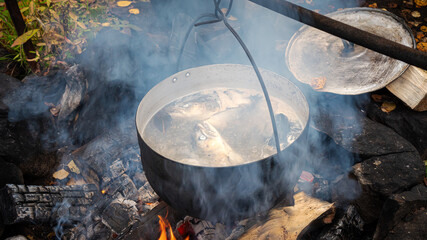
{"points": [[143, 139]]}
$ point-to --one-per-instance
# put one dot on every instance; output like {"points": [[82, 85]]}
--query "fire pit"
{"points": [[217, 180]]}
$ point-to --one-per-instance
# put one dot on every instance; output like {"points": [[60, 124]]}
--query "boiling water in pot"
{"points": [[220, 127]]}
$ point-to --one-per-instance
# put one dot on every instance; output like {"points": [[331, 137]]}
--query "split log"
{"points": [[411, 88], [292, 222]]}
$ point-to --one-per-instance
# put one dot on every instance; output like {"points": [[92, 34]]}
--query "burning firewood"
{"points": [[290, 222]]}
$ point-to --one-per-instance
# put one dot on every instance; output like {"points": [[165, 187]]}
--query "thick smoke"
{"points": [[121, 70]]}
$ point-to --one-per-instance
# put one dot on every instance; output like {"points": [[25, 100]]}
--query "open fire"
{"points": [[363, 167]]}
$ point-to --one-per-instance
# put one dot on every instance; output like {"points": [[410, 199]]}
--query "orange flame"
{"points": [[164, 224], [103, 191]]}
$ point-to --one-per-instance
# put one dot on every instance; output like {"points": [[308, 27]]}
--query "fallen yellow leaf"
{"points": [[318, 83], [423, 28], [134, 11], [123, 3], [61, 174], [105, 24], [388, 107], [373, 5], [421, 3], [81, 25], [422, 46], [24, 37], [73, 167]]}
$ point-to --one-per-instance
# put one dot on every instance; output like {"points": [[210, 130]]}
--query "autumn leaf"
{"points": [[134, 11], [73, 167], [61, 174], [373, 5], [123, 3], [81, 25], [388, 107], [105, 24], [422, 46], [54, 14], [73, 16], [24, 37], [32, 8], [423, 28], [377, 98], [318, 83], [421, 3]]}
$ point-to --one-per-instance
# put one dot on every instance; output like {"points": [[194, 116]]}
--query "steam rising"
{"points": [[120, 71]]}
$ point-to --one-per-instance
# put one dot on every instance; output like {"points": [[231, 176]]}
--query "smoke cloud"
{"points": [[121, 69]]}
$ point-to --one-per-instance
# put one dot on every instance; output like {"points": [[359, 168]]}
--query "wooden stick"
{"points": [[18, 22]]}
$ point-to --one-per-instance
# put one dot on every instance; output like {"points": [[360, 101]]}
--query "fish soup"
{"points": [[221, 127]]}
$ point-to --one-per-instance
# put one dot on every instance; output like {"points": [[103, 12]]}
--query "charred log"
{"points": [[22, 203]]}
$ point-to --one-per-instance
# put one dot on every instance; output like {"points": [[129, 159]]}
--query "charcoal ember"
{"points": [[347, 225], [10, 173], [147, 194], [101, 231], [117, 169], [122, 186], [21, 203], [404, 215], [114, 145], [119, 215], [321, 188], [318, 187], [206, 230]]}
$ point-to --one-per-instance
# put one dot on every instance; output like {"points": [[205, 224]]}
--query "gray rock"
{"points": [[404, 216], [390, 173], [409, 124], [363, 136]]}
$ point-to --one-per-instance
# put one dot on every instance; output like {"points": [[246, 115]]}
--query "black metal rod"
{"points": [[347, 32]]}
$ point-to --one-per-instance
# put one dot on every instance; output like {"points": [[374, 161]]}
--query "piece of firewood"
{"points": [[290, 222], [411, 88]]}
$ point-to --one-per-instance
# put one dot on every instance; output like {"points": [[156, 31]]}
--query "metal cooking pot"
{"points": [[222, 193]]}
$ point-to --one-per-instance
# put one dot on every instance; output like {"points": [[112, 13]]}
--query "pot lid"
{"points": [[331, 64]]}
